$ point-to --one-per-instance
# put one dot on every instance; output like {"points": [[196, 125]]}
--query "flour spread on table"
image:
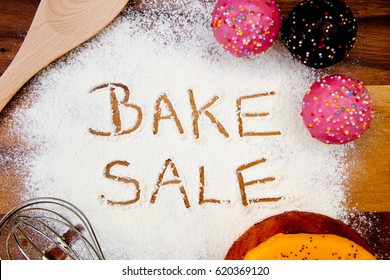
{"points": [[170, 145]]}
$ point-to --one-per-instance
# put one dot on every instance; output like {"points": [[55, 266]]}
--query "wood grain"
{"points": [[369, 181], [369, 60], [58, 27], [15, 19], [369, 176]]}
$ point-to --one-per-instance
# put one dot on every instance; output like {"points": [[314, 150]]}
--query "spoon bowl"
{"points": [[58, 27]]}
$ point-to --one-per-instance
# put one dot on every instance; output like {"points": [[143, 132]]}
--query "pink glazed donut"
{"points": [[246, 27], [337, 109]]}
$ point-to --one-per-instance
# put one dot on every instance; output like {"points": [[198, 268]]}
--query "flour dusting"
{"points": [[86, 156]]}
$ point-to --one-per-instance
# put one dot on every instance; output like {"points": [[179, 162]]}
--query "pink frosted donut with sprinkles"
{"points": [[337, 109], [246, 27]]}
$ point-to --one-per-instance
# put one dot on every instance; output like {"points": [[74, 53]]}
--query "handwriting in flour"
{"points": [[163, 182], [122, 101], [118, 104], [115, 108]]}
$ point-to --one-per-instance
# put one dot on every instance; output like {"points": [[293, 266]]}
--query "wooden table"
{"points": [[368, 182]]}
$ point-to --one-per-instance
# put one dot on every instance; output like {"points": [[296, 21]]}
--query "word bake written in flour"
{"points": [[176, 181], [164, 101]]}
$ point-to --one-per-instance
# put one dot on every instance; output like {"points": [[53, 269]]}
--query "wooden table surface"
{"points": [[368, 182]]}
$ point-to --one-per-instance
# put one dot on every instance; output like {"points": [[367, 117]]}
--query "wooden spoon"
{"points": [[58, 27]]}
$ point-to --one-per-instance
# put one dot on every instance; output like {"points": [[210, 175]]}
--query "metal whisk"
{"points": [[47, 228]]}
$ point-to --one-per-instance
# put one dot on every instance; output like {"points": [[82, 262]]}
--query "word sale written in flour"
{"points": [[170, 167], [170, 114]]}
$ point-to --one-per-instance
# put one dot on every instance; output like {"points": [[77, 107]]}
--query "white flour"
{"points": [[153, 53]]}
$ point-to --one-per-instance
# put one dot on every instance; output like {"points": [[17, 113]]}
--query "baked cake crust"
{"points": [[292, 223]]}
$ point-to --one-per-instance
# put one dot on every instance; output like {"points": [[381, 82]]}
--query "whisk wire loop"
{"points": [[17, 229], [59, 239], [47, 228]]}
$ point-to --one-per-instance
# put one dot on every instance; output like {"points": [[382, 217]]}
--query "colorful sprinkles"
{"points": [[337, 109], [320, 33], [246, 27]]}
